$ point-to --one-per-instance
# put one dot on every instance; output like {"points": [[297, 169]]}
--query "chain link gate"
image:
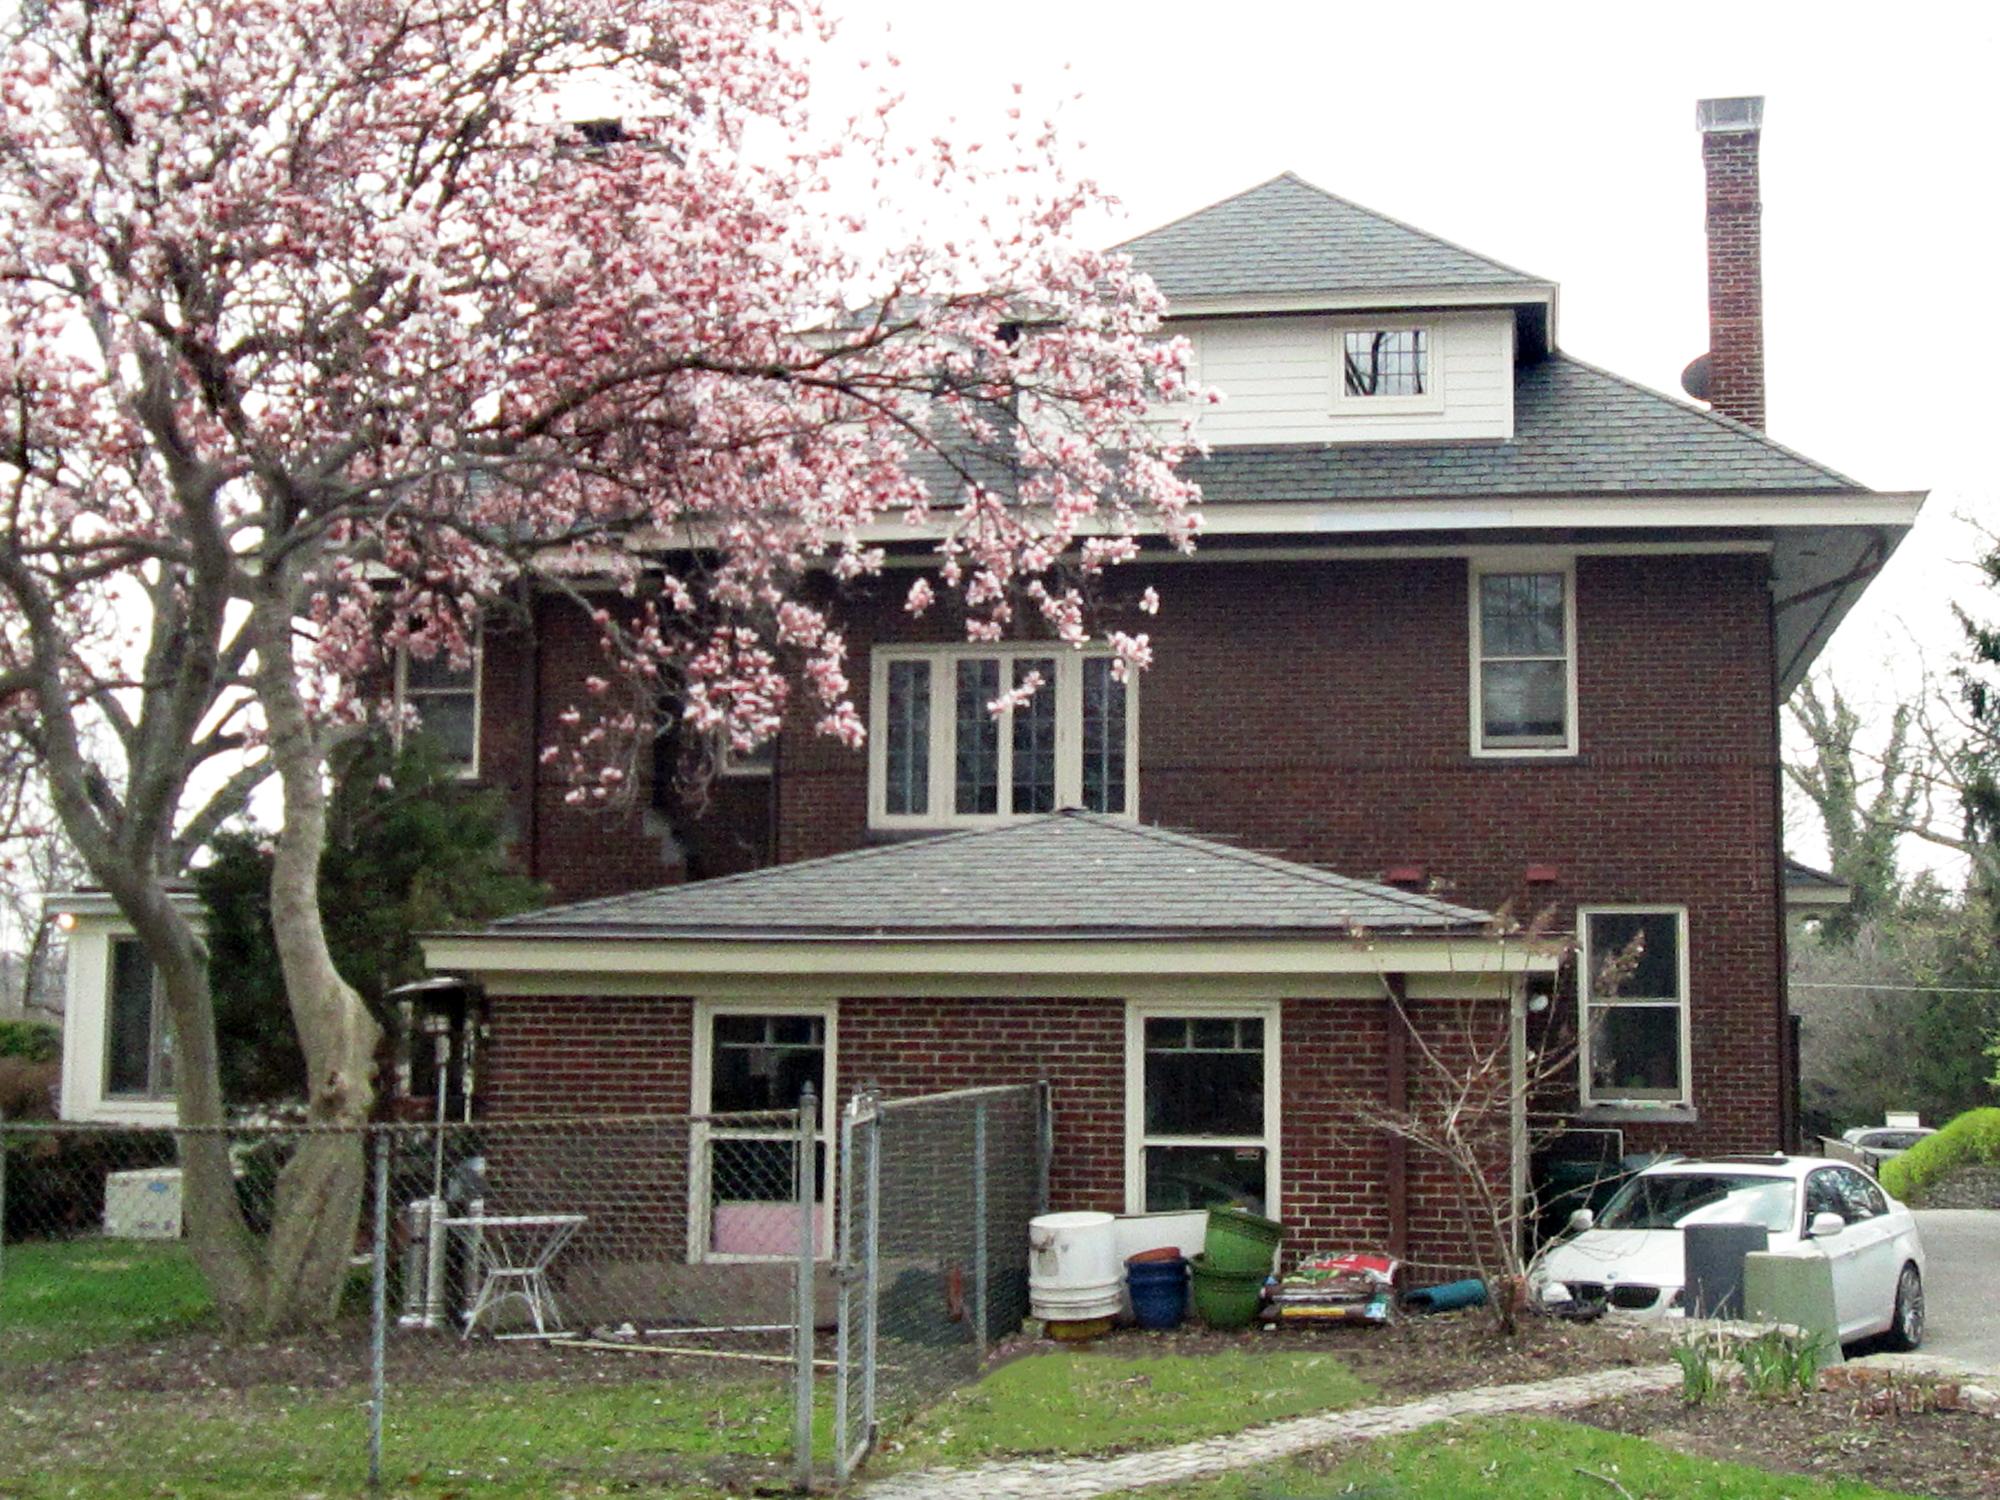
{"points": [[854, 1349], [932, 1260]]}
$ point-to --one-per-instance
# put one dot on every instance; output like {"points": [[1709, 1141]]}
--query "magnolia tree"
{"points": [[319, 327]]}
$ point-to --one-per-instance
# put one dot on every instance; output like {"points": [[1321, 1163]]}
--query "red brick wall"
{"points": [[1321, 711], [904, 1047], [587, 1055]]}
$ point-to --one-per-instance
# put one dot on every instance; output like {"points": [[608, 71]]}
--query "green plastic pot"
{"points": [[1225, 1299], [1239, 1240]]}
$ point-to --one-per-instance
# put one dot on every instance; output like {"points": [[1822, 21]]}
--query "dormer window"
{"points": [[1385, 362], [1385, 368]]}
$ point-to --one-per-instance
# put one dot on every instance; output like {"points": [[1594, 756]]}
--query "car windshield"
{"points": [[1670, 1200]]}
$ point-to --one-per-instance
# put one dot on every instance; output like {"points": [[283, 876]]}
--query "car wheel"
{"points": [[1907, 1330]]}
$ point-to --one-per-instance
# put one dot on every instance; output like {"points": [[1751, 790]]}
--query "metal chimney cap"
{"points": [[1730, 116]]}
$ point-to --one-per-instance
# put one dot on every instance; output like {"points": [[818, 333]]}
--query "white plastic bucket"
{"points": [[1073, 1269]]}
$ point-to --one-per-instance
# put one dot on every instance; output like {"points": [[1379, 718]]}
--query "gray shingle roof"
{"points": [[1060, 875], [1578, 430], [1287, 236]]}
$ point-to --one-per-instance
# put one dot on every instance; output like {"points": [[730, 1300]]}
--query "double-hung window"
{"points": [[1633, 987], [138, 1046], [939, 754], [1202, 1107], [1523, 660], [753, 1063], [445, 700]]}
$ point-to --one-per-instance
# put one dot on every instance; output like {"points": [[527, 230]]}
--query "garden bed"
{"points": [[1895, 1437]]}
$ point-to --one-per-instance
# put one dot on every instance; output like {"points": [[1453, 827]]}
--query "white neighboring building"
{"points": [[118, 1051]]}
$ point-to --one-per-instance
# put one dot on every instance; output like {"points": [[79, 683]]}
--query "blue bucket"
{"points": [[1159, 1291]]}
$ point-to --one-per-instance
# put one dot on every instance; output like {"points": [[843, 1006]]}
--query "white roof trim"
{"points": [[503, 960]]}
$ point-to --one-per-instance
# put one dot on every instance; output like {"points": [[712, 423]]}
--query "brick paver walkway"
{"points": [[1081, 1478]]}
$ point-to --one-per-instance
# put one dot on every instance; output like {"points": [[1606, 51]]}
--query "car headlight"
{"points": [[1553, 1292]]}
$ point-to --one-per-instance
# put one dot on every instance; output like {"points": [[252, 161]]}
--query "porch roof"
{"points": [[1061, 875]]}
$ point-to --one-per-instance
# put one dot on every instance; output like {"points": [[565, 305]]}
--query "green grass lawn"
{"points": [[680, 1437], [1512, 1459], [60, 1298], [1073, 1401]]}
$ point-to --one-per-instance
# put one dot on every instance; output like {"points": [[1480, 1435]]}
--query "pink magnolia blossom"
{"points": [[322, 306]]}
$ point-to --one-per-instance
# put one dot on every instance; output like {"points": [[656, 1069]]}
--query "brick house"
{"points": [[1475, 624]]}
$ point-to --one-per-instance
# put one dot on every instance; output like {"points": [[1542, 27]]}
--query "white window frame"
{"points": [[159, 1040], [701, 1076], [1343, 403], [1683, 1004], [465, 771], [1068, 688], [1479, 568], [1137, 1013], [758, 765]]}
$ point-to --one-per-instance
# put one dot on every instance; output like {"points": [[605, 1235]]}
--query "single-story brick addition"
{"points": [[1210, 1019]]}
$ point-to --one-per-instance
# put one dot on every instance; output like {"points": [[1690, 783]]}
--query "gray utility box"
{"points": [[1714, 1276]]}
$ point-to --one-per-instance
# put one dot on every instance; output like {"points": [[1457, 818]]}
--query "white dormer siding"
{"points": [[1282, 383]]}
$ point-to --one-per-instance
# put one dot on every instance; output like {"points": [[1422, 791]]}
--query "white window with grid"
{"points": [[940, 756], [1632, 988], [1523, 630], [1386, 368]]}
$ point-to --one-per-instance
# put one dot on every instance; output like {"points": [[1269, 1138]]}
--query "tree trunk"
{"points": [[319, 1192]]}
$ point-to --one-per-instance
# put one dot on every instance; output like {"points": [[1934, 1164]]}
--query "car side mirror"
{"points": [[1581, 1220], [1825, 1226]]}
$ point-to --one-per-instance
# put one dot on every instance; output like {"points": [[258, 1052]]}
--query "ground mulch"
{"points": [[1416, 1356], [1897, 1440]]}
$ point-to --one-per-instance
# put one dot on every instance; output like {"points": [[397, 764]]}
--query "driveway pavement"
{"points": [[1962, 1290]]}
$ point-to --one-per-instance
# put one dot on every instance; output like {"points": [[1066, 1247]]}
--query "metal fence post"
{"points": [[805, 1177], [378, 1314], [871, 1273], [979, 1228], [1045, 1142]]}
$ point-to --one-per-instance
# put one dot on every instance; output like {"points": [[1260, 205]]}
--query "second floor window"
{"points": [[939, 755], [1524, 662], [446, 702]]}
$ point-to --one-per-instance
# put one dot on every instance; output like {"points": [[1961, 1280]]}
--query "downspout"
{"points": [[1788, 1078]]}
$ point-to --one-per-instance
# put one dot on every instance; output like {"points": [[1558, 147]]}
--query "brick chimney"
{"points": [[1730, 377]]}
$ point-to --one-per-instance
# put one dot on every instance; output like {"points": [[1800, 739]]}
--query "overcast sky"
{"points": [[1560, 139]]}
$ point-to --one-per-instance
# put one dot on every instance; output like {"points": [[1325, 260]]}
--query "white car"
{"points": [[1631, 1257]]}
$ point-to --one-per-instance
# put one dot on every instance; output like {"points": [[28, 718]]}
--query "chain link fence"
{"points": [[505, 1307], [936, 1194]]}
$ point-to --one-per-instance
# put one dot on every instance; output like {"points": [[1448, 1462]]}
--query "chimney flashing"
{"points": [[1729, 116]]}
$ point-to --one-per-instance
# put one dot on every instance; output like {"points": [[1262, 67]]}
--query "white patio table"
{"points": [[513, 1253]]}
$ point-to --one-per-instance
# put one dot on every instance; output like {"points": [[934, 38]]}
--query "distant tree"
{"points": [[1865, 803], [410, 849], [1896, 1017]]}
